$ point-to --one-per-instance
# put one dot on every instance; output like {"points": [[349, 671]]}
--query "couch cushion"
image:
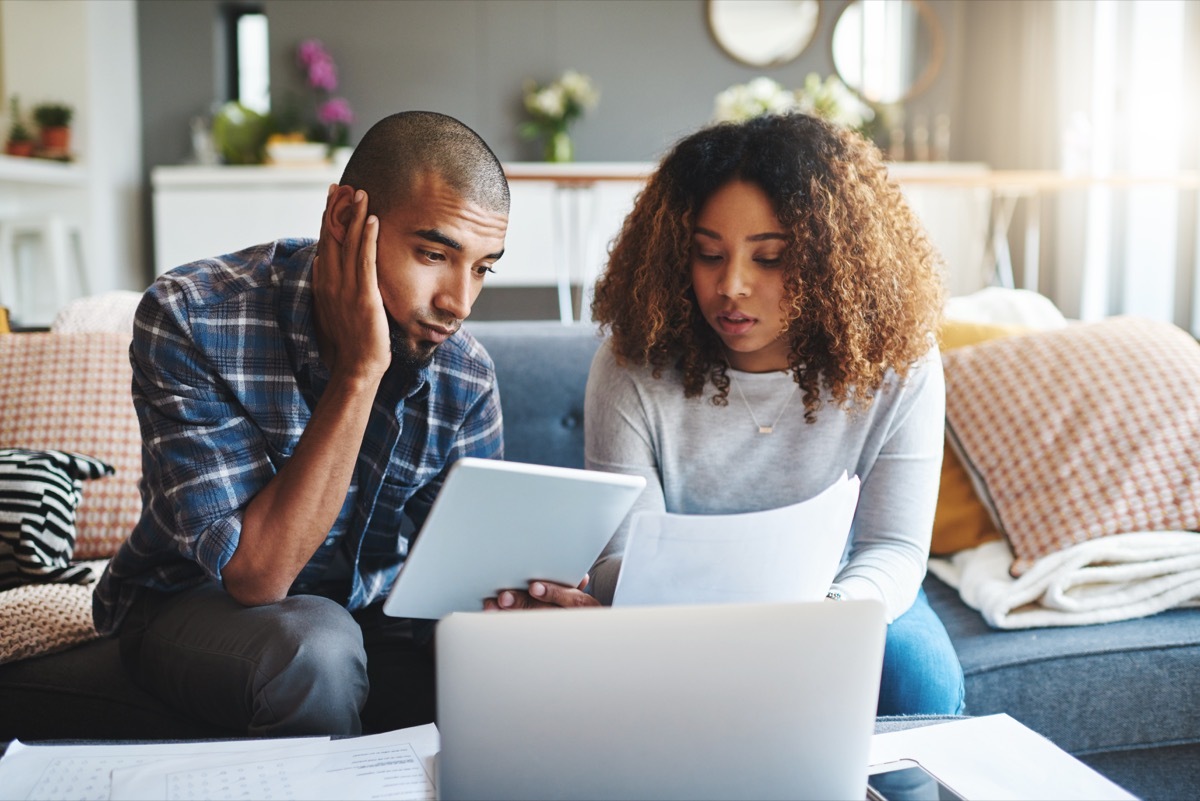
{"points": [[961, 520], [1081, 432], [1164, 772], [541, 369], [71, 392], [39, 493], [107, 311], [1125, 685]]}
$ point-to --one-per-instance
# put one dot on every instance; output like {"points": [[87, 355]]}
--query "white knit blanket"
{"points": [[1098, 581]]}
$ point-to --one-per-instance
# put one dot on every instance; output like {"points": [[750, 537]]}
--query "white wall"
{"points": [[114, 144], [85, 53], [44, 53]]}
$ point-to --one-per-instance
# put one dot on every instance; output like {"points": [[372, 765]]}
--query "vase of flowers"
{"points": [[559, 147], [332, 115], [554, 108]]}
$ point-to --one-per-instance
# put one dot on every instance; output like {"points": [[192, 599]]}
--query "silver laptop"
{"points": [[754, 701]]}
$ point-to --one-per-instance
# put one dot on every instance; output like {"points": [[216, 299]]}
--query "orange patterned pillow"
{"points": [[71, 392], [1080, 432], [961, 520]]}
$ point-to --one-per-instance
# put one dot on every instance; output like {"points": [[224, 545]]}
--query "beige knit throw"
{"points": [[40, 619]]}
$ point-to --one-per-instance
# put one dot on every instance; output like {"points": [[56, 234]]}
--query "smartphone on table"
{"points": [[906, 780]]}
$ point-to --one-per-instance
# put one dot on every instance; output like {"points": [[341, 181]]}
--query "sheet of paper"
{"points": [[393, 765], [81, 772], [995, 757], [786, 554]]}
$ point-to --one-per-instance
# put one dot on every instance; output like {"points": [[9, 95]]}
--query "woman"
{"points": [[772, 305]]}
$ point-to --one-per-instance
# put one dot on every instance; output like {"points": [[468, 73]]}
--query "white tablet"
{"points": [[499, 525]]}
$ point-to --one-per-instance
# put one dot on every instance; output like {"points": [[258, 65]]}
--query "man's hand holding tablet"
{"points": [[542, 595]]}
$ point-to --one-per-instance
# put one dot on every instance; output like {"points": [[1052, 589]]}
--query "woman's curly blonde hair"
{"points": [[863, 283]]}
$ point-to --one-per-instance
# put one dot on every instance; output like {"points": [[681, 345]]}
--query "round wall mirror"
{"points": [[887, 50], [763, 33]]}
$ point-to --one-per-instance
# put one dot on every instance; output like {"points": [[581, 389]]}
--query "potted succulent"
{"points": [[20, 138], [54, 126]]}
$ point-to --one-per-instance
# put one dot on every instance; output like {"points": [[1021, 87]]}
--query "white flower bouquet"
{"points": [[554, 107], [829, 99], [745, 101], [832, 100]]}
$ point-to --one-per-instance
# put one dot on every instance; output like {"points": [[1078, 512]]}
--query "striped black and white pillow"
{"points": [[39, 491]]}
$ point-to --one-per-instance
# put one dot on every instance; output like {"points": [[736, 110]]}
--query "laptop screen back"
{"points": [[721, 701]]}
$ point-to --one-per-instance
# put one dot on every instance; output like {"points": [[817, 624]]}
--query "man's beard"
{"points": [[405, 353], [412, 357]]}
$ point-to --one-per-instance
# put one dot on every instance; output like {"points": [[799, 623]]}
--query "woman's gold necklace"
{"points": [[761, 428]]}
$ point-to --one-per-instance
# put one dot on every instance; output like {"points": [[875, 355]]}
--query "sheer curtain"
{"points": [[1127, 83]]}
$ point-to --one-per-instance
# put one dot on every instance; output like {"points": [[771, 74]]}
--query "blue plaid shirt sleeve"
{"points": [[203, 459]]}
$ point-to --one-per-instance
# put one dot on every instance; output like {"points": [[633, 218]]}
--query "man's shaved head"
{"points": [[401, 147]]}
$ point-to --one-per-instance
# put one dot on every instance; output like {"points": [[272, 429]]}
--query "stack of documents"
{"points": [[992, 757], [395, 765], [790, 554]]}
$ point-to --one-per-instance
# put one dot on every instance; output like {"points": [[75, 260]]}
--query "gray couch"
{"points": [[1124, 697]]}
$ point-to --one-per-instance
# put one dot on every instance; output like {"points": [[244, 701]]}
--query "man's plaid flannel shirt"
{"points": [[225, 377]]}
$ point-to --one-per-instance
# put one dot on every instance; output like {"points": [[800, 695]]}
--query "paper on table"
{"points": [[786, 554], [81, 772], [393, 765], [995, 757]]}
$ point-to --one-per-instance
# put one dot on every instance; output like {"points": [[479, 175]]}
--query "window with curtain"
{"points": [[248, 56], [1130, 121]]}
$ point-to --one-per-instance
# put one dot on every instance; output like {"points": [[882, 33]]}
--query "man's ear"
{"points": [[341, 212]]}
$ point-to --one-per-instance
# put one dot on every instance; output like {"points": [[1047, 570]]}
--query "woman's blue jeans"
{"points": [[921, 671]]}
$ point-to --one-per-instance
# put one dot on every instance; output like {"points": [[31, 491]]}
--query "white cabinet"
{"points": [[207, 211], [954, 203], [564, 217], [46, 238], [562, 222], [528, 251]]}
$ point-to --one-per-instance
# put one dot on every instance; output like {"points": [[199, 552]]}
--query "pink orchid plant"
{"points": [[334, 115]]}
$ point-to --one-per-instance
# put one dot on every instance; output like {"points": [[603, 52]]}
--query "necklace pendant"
{"points": [[767, 429]]}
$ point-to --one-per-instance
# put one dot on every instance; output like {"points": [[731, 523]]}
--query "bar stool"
{"points": [[60, 241]]}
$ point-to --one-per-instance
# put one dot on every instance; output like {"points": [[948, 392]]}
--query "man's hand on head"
{"points": [[542, 595], [352, 325]]}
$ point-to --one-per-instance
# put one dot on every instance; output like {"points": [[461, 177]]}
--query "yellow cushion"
{"points": [[4, 326], [961, 520], [960, 333]]}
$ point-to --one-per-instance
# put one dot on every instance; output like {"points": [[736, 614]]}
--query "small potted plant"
{"points": [[20, 139], [54, 126]]}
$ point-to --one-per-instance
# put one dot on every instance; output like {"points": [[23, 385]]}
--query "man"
{"points": [[300, 404]]}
